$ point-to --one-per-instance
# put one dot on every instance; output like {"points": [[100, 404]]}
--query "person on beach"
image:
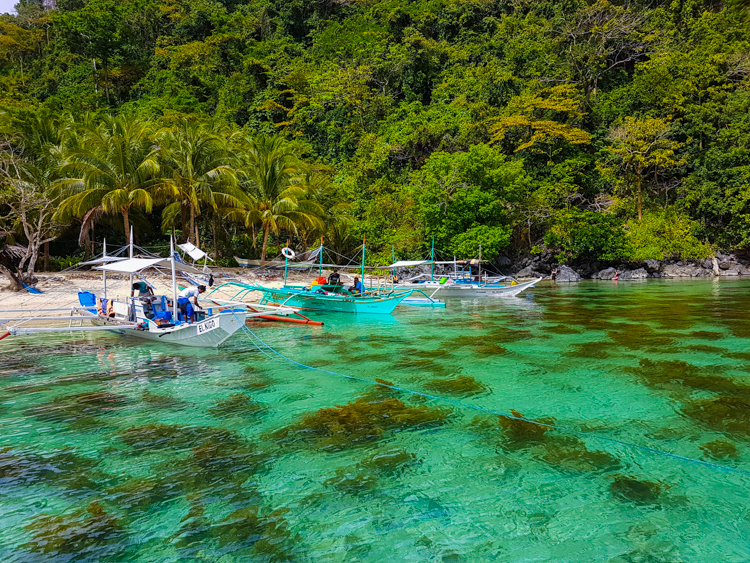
{"points": [[615, 276], [553, 275]]}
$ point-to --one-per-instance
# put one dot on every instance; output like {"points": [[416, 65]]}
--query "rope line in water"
{"points": [[479, 408]]}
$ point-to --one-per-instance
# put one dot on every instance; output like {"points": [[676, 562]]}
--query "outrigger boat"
{"points": [[460, 284], [322, 300], [331, 297], [154, 318], [449, 287]]}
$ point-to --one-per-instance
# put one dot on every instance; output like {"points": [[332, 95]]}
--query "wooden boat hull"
{"points": [[338, 303]]}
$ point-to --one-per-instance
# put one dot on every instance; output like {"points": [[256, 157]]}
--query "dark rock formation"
{"points": [[567, 274]]}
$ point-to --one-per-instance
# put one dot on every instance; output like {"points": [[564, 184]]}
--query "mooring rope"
{"points": [[486, 410]]}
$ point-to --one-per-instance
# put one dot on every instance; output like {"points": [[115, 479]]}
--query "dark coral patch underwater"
{"points": [[357, 423]]}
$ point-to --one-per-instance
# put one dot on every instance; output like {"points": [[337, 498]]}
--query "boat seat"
{"points": [[87, 300]]}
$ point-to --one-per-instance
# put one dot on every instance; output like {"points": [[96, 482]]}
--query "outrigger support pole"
{"points": [[131, 257], [104, 272], [174, 280], [286, 263], [480, 263], [432, 260], [320, 268], [364, 239]]}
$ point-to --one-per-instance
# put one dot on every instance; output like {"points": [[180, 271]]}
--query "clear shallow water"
{"points": [[115, 450]]}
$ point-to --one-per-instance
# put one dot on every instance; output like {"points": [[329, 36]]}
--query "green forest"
{"points": [[588, 128]]}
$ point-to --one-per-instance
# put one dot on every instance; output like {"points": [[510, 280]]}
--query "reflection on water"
{"points": [[630, 443]]}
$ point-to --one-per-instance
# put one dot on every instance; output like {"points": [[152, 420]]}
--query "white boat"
{"points": [[450, 288], [151, 317], [210, 332]]}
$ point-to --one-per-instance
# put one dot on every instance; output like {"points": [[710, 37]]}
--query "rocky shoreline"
{"points": [[543, 264]]}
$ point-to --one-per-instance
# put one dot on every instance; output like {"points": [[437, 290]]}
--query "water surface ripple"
{"points": [[114, 450]]}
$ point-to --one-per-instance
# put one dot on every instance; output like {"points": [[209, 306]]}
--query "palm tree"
{"points": [[320, 188], [114, 165], [277, 194], [201, 173]]}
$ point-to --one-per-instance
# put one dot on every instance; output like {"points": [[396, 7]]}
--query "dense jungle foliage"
{"points": [[598, 129]]}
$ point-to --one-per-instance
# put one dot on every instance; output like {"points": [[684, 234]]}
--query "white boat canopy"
{"points": [[102, 260], [408, 263], [413, 263], [193, 251], [133, 265]]}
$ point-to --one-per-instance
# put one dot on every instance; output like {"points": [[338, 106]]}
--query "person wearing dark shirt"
{"points": [[142, 288]]}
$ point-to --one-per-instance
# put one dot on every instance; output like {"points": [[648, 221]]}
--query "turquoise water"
{"points": [[116, 450]]}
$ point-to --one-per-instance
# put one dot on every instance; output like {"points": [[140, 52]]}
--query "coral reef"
{"points": [[64, 469], [162, 401], [252, 532], [79, 411], [632, 490], [461, 386], [237, 405], [358, 422], [724, 414], [82, 533], [720, 449], [519, 432]]}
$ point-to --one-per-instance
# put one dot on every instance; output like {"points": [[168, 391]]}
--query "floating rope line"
{"points": [[478, 408]]}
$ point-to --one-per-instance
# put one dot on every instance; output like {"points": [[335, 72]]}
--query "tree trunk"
{"points": [[106, 78], [86, 246], [197, 236], [255, 236], [216, 243], [640, 201], [192, 224], [126, 219], [46, 256], [266, 231], [183, 223], [32, 260]]}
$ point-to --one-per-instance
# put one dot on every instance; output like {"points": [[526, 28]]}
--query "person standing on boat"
{"points": [[183, 301]]}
